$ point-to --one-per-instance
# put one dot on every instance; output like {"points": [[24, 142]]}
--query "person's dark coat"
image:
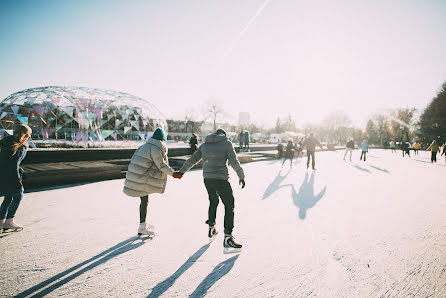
{"points": [[10, 173], [350, 144]]}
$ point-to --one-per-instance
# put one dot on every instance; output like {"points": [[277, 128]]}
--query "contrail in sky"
{"points": [[241, 33]]}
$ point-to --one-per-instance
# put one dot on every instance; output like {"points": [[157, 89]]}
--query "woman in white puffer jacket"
{"points": [[147, 173]]}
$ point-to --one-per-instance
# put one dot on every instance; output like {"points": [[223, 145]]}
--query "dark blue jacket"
{"points": [[10, 166]]}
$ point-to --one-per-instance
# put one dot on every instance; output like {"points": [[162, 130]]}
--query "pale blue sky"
{"points": [[298, 58]]}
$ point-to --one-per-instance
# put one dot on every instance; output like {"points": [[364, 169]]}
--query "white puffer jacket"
{"points": [[148, 170]]}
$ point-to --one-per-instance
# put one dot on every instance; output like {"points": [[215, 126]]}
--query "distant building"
{"points": [[80, 114]]}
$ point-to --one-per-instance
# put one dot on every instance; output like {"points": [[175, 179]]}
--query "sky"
{"points": [[271, 58]]}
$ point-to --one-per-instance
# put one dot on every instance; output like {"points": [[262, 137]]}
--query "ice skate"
{"points": [[230, 246], [146, 230], [212, 233], [11, 226]]}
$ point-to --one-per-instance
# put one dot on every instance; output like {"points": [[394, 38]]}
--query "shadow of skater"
{"points": [[163, 286], [306, 199], [219, 271], [360, 168], [97, 260], [275, 185], [380, 169]]}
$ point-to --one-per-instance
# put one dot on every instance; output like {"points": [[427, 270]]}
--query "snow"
{"points": [[351, 229]]}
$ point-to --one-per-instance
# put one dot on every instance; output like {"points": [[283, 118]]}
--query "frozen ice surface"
{"points": [[350, 229]]}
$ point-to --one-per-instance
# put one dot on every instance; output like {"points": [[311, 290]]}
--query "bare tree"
{"points": [[215, 111]]}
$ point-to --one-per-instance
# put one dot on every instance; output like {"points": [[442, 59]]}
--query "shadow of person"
{"points": [[356, 166], [380, 169], [219, 271], [305, 198], [163, 286], [275, 185], [95, 261]]}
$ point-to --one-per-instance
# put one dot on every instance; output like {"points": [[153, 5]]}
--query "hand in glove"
{"points": [[242, 182], [177, 175]]}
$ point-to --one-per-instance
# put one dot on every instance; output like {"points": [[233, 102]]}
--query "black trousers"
{"points": [[363, 153], [434, 156], [143, 209], [220, 188], [310, 154]]}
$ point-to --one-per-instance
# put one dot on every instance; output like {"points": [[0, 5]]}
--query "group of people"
{"points": [[149, 168], [405, 147], [292, 149]]}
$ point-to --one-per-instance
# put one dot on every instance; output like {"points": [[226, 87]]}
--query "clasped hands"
{"points": [[177, 175]]}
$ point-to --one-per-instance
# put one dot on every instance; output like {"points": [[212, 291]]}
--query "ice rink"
{"points": [[349, 229]]}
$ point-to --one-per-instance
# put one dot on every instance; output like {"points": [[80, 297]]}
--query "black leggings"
{"points": [[143, 209], [363, 153]]}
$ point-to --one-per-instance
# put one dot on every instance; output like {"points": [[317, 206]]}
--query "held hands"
{"points": [[177, 175], [242, 183]]}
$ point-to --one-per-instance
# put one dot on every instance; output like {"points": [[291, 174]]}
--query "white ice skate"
{"points": [[146, 230], [212, 234], [11, 226]]}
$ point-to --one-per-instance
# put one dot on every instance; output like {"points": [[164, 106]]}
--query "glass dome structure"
{"points": [[80, 114]]}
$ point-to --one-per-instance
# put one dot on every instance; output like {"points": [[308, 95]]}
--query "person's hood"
{"points": [[215, 138], [157, 143]]}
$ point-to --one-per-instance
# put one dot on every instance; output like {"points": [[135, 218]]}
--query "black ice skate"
{"points": [[212, 233], [230, 246]]}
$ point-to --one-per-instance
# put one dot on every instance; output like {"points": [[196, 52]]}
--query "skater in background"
{"points": [[289, 153], [364, 149], [349, 148], [392, 146], [434, 148], [241, 138], [193, 143], [216, 152], [299, 148], [13, 150], [279, 150], [405, 148], [147, 174], [246, 141], [444, 152], [310, 144], [416, 146]]}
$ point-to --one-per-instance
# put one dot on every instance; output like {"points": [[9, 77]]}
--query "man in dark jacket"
{"points": [[216, 152], [310, 144]]}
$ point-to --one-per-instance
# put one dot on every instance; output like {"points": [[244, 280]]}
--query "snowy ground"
{"points": [[350, 229]]}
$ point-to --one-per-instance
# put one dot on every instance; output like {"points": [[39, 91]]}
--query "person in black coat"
{"points": [[12, 151], [193, 143], [289, 152]]}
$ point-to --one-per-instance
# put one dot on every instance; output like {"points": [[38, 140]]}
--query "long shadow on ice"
{"points": [[163, 286], [65, 277], [380, 169], [219, 271], [425, 161], [356, 166], [306, 198], [275, 185]]}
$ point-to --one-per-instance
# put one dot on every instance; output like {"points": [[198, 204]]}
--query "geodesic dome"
{"points": [[80, 114]]}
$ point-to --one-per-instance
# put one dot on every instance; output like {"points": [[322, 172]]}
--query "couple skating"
{"points": [[148, 170]]}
